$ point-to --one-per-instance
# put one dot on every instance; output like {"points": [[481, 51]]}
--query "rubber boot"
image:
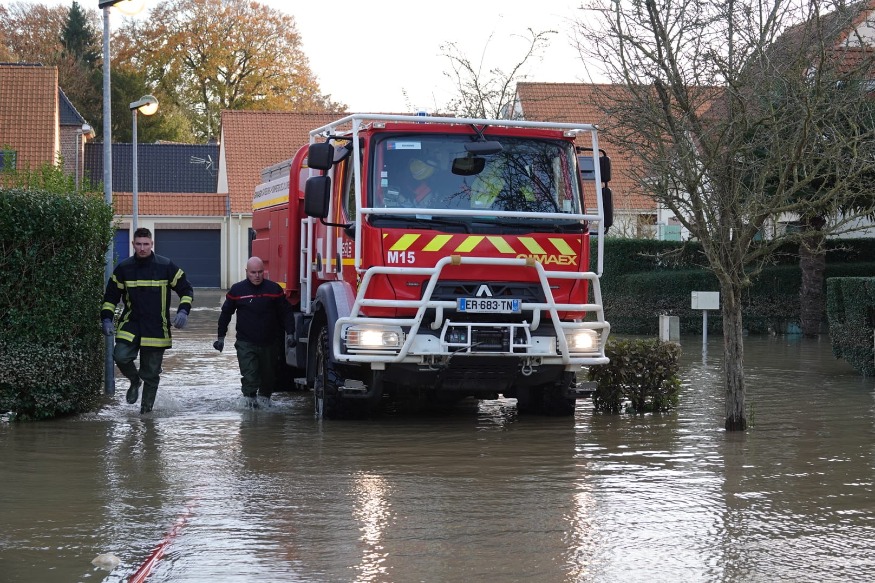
{"points": [[149, 393], [134, 391]]}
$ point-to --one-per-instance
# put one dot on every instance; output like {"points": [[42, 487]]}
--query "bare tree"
{"points": [[488, 93], [745, 115]]}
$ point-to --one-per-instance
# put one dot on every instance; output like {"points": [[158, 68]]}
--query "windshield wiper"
{"points": [[460, 225], [536, 224]]}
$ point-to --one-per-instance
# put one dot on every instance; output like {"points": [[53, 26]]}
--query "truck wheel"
{"points": [[554, 399], [326, 396], [548, 399]]}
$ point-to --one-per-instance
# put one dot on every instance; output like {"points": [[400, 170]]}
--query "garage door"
{"points": [[121, 246], [196, 251]]}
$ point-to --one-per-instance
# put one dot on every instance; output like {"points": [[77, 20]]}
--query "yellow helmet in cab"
{"points": [[420, 170]]}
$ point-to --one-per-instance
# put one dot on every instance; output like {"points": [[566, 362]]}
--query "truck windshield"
{"points": [[435, 172]]}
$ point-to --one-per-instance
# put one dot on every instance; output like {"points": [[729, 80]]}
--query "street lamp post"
{"points": [[147, 105], [105, 5]]}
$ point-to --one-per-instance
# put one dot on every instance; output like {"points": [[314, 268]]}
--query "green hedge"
{"points": [[644, 279], [642, 372], [52, 254], [851, 310]]}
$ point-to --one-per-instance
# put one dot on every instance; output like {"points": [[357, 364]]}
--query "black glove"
{"points": [[290, 341], [180, 320], [108, 328], [219, 344]]}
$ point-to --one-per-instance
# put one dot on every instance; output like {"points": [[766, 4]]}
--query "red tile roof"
{"points": [[29, 113], [578, 103], [171, 204], [254, 140]]}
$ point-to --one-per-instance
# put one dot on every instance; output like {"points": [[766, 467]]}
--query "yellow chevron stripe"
{"points": [[469, 243], [533, 246], [404, 242], [501, 244], [562, 246], [437, 243]]}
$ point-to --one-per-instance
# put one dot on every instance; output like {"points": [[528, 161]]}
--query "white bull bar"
{"points": [[414, 351]]}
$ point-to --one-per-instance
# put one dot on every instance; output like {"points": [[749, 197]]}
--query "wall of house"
{"points": [[236, 251], [72, 150]]}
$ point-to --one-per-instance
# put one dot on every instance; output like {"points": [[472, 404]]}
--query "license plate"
{"points": [[489, 306]]}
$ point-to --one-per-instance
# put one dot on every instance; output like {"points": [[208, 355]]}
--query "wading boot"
{"points": [[134, 391], [150, 390], [251, 402]]}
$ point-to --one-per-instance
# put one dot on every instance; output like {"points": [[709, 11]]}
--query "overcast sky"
{"points": [[385, 55], [369, 58]]}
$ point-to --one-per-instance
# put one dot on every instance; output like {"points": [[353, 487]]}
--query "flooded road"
{"points": [[479, 494]]}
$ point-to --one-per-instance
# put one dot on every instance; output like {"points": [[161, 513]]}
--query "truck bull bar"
{"points": [[418, 348]]}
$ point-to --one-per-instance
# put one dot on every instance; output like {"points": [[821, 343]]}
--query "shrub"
{"points": [[642, 371], [851, 311], [52, 255]]}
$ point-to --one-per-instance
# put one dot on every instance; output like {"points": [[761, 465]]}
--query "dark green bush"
{"points": [[851, 311], [52, 254], [644, 279], [642, 371]]}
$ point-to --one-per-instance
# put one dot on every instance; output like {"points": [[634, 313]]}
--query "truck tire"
{"points": [[549, 399], [326, 394], [554, 399]]}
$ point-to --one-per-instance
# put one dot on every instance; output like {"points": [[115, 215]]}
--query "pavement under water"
{"points": [[476, 494]]}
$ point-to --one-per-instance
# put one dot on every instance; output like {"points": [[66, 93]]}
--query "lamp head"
{"points": [[147, 105], [127, 7]]}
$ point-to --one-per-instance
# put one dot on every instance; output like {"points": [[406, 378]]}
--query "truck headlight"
{"points": [[582, 340], [373, 338]]}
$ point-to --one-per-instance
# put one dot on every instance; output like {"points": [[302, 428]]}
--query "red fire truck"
{"points": [[432, 259]]}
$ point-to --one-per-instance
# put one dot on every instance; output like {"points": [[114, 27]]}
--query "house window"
{"points": [[8, 160]]}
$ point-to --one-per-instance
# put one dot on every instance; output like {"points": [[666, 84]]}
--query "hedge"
{"points": [[52, 255], [642, 373], [644, 279], [851, 309]]}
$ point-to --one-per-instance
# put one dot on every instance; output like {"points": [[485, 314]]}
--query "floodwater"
{"points": [[478, 494]]}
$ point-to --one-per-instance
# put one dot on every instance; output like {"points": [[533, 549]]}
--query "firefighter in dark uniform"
{"points": [[143, 282], [263, 313]]}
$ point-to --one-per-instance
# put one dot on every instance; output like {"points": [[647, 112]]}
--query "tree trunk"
{"points": [[733, 358], [812, 262]]}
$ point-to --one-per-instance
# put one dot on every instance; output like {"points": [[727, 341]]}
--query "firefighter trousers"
{"points": [[149, 371], [257, 367]]}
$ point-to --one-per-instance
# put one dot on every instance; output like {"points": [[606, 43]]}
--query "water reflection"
{"points": [[372, 510], [478, 494]]}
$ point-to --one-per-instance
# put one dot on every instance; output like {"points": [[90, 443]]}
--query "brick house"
{"points": [[37, 121]]}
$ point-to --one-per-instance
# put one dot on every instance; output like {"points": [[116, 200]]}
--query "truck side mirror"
{"points": [[605, 168], [608, 204], [317, 195], [320, 156]]}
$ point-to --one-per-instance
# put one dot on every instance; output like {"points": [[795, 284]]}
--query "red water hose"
{"points": [[146, 568]]}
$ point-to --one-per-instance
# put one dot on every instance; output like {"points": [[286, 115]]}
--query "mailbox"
{"points": [[703, 300]]}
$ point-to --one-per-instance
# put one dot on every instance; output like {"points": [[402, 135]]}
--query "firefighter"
{"points": [[262, 314], [421, 192], [432, 187], [143, 282]]}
